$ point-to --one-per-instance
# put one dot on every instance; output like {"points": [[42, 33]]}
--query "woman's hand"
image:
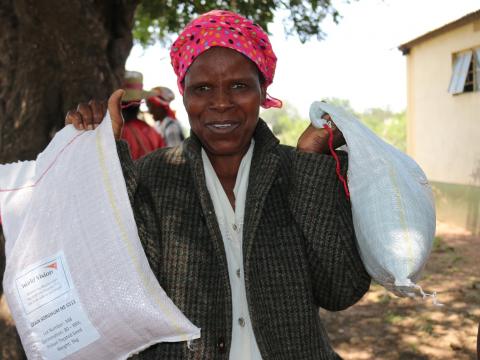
{"points": [[89, 115], [315, 140]]}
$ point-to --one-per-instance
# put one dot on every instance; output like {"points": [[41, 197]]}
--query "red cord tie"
{"points": [[337, 160]]}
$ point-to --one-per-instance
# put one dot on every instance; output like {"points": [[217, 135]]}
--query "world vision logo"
{"points": [[52, 266]]}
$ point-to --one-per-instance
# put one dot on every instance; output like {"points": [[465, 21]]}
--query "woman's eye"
{"points": [[238, 86], [202, 88]]}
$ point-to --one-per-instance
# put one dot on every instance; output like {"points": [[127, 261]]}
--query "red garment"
{"points": [[141, 138]]}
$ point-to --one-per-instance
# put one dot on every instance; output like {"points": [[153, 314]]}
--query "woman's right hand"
{"points": [[89, 115], [315, 140]]}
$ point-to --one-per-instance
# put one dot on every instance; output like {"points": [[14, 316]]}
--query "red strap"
{"points": [[337, 161]]}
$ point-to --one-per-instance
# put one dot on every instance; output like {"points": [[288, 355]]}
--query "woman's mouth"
{"points": [[222, 128]]}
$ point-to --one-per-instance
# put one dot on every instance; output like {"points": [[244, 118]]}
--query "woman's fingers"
{"points": [[115, 105], [115, 110], [329, 121], [313, 140], [74, 118], [97, 112], [316, 140], [87, 115]]}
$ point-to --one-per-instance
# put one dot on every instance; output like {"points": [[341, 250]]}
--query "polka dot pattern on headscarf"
{"points": [[226, 29]]}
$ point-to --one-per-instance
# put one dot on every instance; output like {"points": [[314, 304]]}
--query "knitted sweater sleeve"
{"points": [[323, 212], [141, 201]]}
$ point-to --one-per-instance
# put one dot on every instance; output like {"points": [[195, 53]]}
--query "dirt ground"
{"points": [[383, 326]]}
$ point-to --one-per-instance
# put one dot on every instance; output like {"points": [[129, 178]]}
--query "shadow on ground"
{"points": [[383, 326]]}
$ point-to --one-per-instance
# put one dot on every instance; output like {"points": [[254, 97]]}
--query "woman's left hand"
{"points": [[315, 140]]}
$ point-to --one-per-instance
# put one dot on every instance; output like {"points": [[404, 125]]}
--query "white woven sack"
{"points": [[392, 204], [77, 280]]}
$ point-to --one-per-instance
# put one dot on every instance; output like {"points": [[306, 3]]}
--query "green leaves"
{"points": [[288, 125], [390, 126], [158, 20]]}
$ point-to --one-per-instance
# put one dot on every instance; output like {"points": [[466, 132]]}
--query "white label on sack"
{"points": [[53, 309]]}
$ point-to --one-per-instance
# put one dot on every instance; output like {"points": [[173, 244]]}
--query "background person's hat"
{"points": [[161, 96], [133, 86]]}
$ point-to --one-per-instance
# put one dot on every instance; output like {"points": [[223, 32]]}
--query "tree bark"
{"points": [[53, 55]]}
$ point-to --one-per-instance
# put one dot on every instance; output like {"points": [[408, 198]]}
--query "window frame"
{"points": [[465, 77]]}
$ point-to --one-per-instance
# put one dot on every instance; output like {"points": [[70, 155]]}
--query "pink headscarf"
{"points": [[226, 29]]}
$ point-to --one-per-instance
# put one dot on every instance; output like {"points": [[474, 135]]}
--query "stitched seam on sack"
{"points": [[123, 235], [403, 218], [47, 169]]}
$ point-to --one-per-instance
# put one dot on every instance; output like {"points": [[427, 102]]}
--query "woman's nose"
{"points": [[221, 100]]}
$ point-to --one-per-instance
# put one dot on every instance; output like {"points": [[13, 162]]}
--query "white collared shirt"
{"points": [[244, 346]]}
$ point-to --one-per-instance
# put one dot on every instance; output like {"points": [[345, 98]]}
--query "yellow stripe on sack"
{"points": [[128, 243], [403, 218]]}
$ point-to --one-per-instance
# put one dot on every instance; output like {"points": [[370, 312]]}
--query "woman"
{"points": [[248, 237]]}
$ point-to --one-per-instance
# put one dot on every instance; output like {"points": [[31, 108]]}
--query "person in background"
{"points": [[166, 123], [141, 137]]}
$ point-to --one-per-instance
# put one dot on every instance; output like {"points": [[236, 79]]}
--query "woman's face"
{"points": [[222, 97]]}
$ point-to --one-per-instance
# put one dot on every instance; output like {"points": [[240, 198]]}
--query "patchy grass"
{"points": [[393, 318], [438, 243]]}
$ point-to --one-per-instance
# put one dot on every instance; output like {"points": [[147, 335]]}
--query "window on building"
{"points": [[465, 72], [468, 87]]}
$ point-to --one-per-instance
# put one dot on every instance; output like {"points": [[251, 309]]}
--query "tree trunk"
{"points": [[53, 55]]}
